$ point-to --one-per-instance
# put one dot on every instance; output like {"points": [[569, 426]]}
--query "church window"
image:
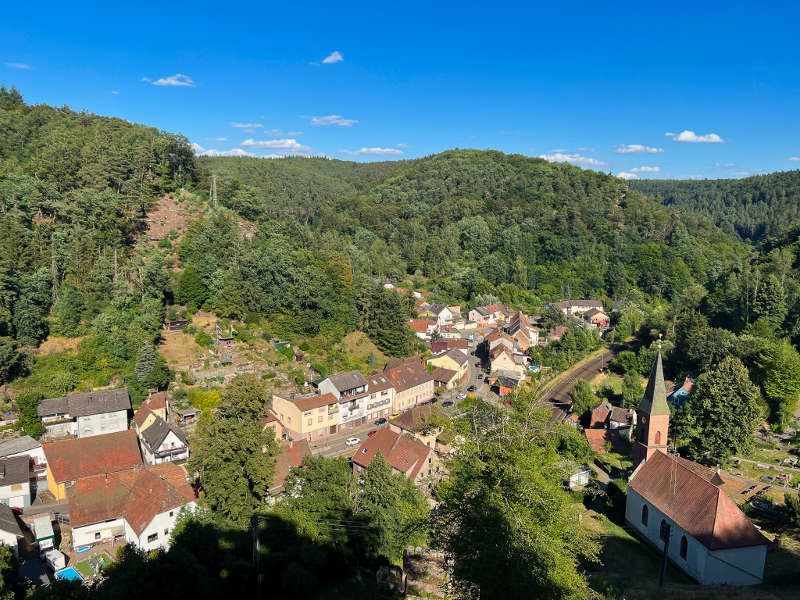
{"points": [[658, 437], [684, 547], [664, 533], [644, 514]]}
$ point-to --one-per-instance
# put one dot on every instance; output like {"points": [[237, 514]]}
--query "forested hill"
{"points": [[752, 208]]}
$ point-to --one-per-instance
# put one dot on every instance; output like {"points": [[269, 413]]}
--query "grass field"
{"points": [[85, 570]]}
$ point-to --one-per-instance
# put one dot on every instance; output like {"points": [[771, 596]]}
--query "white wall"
{"points": [[37, 454], [103, 423], [11, 494], [160, 524], [85, 535], [737, 566], [9, 539], [326, 387]]}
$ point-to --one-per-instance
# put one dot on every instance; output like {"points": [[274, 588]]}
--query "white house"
{"points": [[15, 481], [709, 538], [139, 506], [578, 307], [159, 441], [350, 389], [85, 414], [10, 531], [24, 445], [381, 396]]}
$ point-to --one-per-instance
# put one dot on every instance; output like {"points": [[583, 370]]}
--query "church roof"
{"points": [[685, 492], [654, 401]]}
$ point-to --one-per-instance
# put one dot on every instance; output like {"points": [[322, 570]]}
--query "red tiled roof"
{"points": [[600, 414], [136, 495], [444, 375], [406, 373], [156, 401], [141, 414], [291, 456], [598, 438], [677, 489], [83, 457], [404, 454], [312, 402], [420, 325]]}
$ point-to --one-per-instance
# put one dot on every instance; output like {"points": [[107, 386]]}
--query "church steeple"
{"points": [[652, 416]]}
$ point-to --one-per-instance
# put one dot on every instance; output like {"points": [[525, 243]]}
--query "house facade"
{"points": [[453, 360], [381, 396], [578, 307], [411, 381], [15, 481], [85, 414], [159, 441], [350, 390], [307, 417]]}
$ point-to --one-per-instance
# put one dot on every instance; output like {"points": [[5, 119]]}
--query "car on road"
{"points": [[352, 441], [447, 403], [380, 421], [478, 364], [394, 415], [471, 388], [371, 433], [434, 400], [16, 510], [461, 395]]}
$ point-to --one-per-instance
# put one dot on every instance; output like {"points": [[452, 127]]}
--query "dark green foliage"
{"points": [[383, 315], [583, 397], [792, 502], [632, 391], [67, 311], [191, 288], [145, 362], [10, 359]]}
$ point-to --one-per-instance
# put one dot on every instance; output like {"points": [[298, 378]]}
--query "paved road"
{"points": [[558, 395]]}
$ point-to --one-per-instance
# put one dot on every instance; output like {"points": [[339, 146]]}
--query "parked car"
{"points": [[479, 376], [16, 510], [447, 403], [461, 395], [434, 400], [371, 433], [352, 441], [478, 364], [394, 415], [380, 421], [471, 388]]}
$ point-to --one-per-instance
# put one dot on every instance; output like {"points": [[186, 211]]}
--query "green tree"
{"points": [[770, 301], [145, 362], [9, 359], [244, 398], [631, 389], [191, 288], [723, 413], [779, 367], [68, 311], [582, 396]]}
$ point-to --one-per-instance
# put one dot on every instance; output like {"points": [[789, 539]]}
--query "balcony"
{"points": [[170, 452]]}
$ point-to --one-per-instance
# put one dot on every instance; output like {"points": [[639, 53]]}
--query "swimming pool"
{"points": [[69, 573]]}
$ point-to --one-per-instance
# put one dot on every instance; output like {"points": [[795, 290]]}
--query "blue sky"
{"points": [[598, 85]]}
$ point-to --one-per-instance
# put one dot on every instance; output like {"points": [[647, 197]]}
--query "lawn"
{"points": [[85, 570]]}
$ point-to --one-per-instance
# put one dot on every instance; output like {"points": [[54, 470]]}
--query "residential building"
{"points": [[423, 328], [10, 530], [139, 506], [69, 461], [601, 440], [425, 423], [15, 481], [501, 359], [414, 459], [680, 507], [85, 414], [24, 445], [597, 317], [481, 316], [308, 416], [444, 315], [495, 338], [578, 307], [680, 504], [522, 331], [381, 396], [556, 334], [452, 359], [350, 390], [411, 381], [291, 455], [599, 415], [498, 313], [272, 423], [623, 420], [159, 441], [158, 403], [43, 532], [503, 385], [459, 343], [445, 378], [680, 396]]}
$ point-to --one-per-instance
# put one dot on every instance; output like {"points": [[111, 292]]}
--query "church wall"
{"points": [[750, 563]]}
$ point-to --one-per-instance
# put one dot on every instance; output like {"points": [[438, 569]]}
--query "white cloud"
{"points": [[575, 159], [794, 158], [177, 80], [692, 137], [624, 175], [115, 92], [200, 151], [645, 169], [16, 65], [636, 149], [286, 144], [404, 146], [221, 139], [372, 152], [294, 133], [274, 132], [333, 57], [337, 120], [246, 125], [727, 165]]}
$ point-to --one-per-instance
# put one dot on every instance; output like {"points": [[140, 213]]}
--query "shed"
{"points": [[43, 530], [55, 559]]}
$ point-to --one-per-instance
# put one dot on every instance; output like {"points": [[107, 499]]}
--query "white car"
{"points": [[461, 395], [352, 441]]}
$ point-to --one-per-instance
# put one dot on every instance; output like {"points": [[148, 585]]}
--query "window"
{"points": [[684, 547], [310, 421], [171, 513], [152, 538], [658, 437], [97, 536], [644, 514], [319, 419], [664, 533]]}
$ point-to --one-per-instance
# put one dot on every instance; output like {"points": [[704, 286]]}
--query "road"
{"points": [[558, 395]]}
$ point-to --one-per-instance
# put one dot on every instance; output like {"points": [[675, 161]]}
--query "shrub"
{"points": [[164, 243], [203, 339]]}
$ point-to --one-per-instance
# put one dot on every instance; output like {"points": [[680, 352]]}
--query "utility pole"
{"points": [[667, 531], [214, 191], [257, 553]]}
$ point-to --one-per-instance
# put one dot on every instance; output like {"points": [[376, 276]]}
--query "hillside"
{"points": [[752, 208]]}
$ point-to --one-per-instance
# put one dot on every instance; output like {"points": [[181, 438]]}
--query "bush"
{"points": [[204, 340], [164, 243]]}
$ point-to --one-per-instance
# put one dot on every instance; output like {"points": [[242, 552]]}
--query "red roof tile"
{"points": [[677, 488], [291, 456], [598, 438], [83, 457], [156, 401], [404, 454]]}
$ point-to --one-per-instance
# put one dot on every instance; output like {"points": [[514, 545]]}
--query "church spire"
{"points": [[654, 401]]}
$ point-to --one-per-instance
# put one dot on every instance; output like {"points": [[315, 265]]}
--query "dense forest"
{"points": [[752, 208]]}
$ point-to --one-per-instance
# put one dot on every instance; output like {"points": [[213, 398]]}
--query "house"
{"points": [[157, 402], [69, 461], [481, 316], [459, 343], [139, 506], [381, 396], [521, 331], [575, 475], [679, 506], [412, 383], [10, 530], [497, 311], [600, 414], [501, 359], [670, 502], [597, 317], [623, 420], [423, 328], [159, 441], [680, 396], [414, 459], [291, 455], [445, 378], [453, 360], [272, 423], [85, 414], [15, 481], [577, 307], [24, 445], [503, 385], [308, 416], [444, 315], [425, 423], [350, 390], [556, 334]]}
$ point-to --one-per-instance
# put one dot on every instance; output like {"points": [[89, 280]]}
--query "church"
{"points": [[679, 506]]}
